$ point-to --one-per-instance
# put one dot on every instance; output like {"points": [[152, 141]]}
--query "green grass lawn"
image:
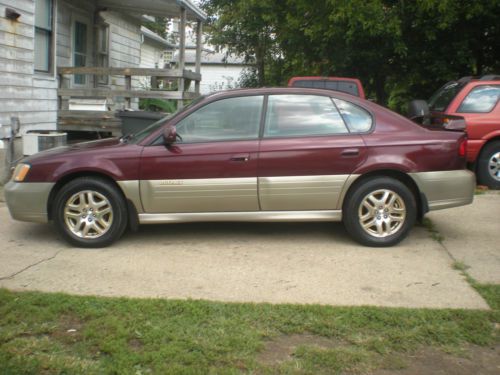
{"points": [[58, 333]]}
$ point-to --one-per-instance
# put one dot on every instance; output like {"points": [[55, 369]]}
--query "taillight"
{"points": [[462, 150]]}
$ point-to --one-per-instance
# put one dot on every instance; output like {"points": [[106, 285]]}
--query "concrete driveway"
{"points": [[277, 263], [472, 236]]}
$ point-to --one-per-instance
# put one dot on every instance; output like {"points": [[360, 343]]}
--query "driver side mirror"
{"points": [[169, 134]]}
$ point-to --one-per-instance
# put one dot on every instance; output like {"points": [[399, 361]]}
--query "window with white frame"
{"points": [[44, 10], [168, 56]]}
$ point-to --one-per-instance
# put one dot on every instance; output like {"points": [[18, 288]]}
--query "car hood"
{"points": [[76, 148]]}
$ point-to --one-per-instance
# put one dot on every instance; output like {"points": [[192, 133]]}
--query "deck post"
{"points": [[198, 53], [128, 87], [182, 53], [63, 102]]}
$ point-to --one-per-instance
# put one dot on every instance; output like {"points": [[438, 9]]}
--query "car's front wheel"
{"points": [[488, 168], [379, 212], [90, 212]]}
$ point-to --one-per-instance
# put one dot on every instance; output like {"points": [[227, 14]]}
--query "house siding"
{"points": [[151, 55], [29, 96], [125, 45]]}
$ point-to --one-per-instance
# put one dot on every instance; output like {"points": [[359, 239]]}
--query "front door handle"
{"points": [[350, 152], [240, 157]]}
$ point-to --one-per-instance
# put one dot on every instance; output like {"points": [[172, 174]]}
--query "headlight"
{"points": [[20, 172]]}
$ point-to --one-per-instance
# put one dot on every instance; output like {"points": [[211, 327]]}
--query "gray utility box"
{"points": [[135, 121], [38, 140]]}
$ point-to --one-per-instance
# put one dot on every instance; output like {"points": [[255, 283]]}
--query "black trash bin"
{"points": [[134, 121]]}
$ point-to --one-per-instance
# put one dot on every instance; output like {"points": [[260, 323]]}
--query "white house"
{"points": [[156, 52], [219, 71]]}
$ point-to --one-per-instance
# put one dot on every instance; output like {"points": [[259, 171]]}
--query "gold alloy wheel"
{"points": [[382, 213], [88, 214]]}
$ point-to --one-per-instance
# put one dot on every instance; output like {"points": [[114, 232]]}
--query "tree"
{"points": [[400, 49], [159, 26], [346, 38], [246, 28]]}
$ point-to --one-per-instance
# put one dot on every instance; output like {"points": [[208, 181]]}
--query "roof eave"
{"points": [[201, 15]]}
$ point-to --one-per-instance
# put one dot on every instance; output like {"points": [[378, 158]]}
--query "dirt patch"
{"points": [[69, 329], [478, 361], [281, 348], [135, 344]]}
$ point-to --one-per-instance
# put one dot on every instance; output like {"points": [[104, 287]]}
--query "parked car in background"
{"points": [[351, 86], [477, 101], [283, 154]]}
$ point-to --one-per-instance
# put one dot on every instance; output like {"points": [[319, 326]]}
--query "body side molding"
{"points": [[264, 216]]}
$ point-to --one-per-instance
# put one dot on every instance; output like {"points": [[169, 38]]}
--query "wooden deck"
{"points": [[108, 121], [89, 121]]}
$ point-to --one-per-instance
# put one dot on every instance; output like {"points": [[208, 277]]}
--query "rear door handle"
{"points": [[350, 152], [240, 157]]}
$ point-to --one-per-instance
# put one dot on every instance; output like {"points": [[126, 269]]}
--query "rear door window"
{"points": [[481, 99], [296, 115]]}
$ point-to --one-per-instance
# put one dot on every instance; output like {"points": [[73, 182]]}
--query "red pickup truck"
{"points": [[346, 85], [476, 99]]}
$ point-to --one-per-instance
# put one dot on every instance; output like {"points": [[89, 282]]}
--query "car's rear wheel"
{"points": [[90, 212], [488, 168], [379, 212]]}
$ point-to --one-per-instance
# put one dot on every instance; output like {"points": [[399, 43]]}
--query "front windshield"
{"points": [[142, 134], [443, 97]]}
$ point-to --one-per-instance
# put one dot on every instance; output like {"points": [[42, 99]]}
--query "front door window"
{"points": [[223, 120]]}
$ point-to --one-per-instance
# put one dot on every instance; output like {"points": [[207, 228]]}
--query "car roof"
{"points": [[323, 78], [284, 90], [488, 77]]}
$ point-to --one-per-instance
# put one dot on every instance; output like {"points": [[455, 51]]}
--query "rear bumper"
{"points": [[445, 189], [28, 201]]}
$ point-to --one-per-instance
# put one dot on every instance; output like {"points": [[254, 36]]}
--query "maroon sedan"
{"points": [[282, 154]]}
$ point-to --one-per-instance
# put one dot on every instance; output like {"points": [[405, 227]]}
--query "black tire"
{"points": [[483, 168], [113, 198], [353, 203]]}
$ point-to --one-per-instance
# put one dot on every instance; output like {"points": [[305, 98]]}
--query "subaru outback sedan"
{"points": [[283, 154]]}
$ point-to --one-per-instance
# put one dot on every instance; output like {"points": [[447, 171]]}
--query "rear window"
{"points": [[443, 97], [357, 119], [334, 85]]}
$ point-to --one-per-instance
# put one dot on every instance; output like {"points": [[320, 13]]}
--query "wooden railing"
{"points": [[106, 120], [127, 92]]}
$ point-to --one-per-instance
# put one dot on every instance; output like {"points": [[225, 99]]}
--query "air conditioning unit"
{"points": [[39, 140]]}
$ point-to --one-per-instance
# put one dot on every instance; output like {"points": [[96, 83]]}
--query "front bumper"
{"points": [[28, 201], [445, 189]]}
